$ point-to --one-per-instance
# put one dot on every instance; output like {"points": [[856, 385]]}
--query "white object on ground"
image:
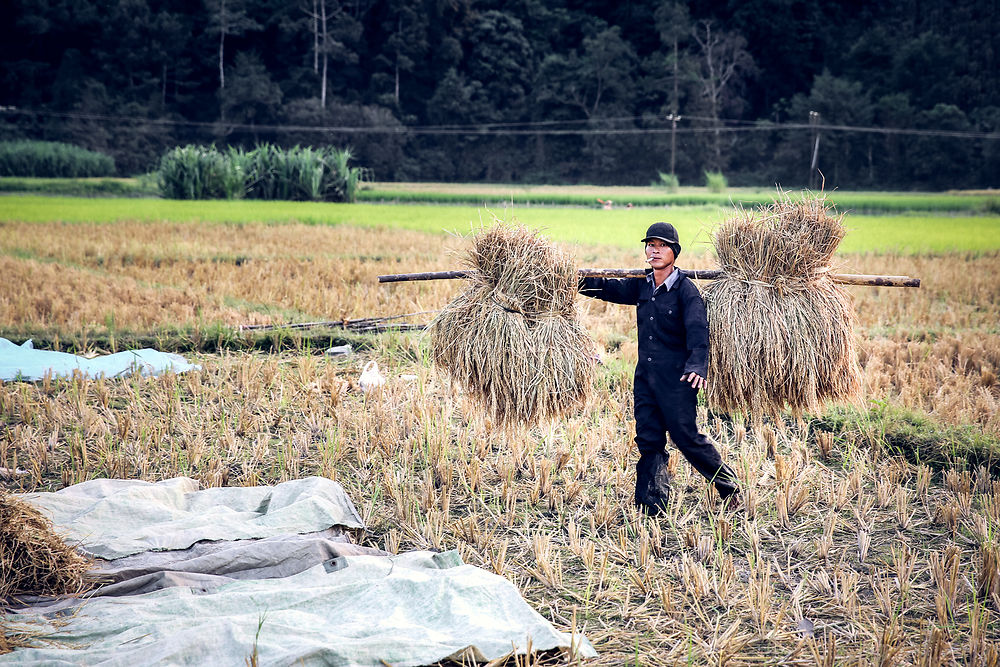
{"points": [[416, 608], [370, 377], [112, 518], [307, 599], [24, 362], [339, 350], [12, 473]]}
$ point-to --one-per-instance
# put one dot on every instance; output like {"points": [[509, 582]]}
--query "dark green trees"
{"points": [[540, 90]]}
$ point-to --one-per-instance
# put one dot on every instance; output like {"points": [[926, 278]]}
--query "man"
{"points": [[673, 361]]}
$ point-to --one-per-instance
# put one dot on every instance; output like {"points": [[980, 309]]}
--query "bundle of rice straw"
{"points": [[782, 333], [34, 559], [8, 642], [14, 636], [512, 338]]}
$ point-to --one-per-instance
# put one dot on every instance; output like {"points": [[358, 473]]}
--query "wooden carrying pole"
{"points": [[712, 274]]}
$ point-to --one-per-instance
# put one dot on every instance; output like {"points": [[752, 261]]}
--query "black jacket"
{"points": [[673, 329]]}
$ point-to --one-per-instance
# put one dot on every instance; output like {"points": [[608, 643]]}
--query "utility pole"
{"points": [[326, 52], [673, 118], [814, 123]]}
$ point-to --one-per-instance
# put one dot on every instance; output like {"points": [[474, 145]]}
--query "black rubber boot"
{"points": [[652, 483]]}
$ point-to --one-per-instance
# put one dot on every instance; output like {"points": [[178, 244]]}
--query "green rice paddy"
{"points": [[592, 196], [907, 233]]}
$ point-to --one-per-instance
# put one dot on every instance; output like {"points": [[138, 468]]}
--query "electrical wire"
{"points": [[521, 128]]}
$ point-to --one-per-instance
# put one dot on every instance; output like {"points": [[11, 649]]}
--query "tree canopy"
{"points": [[907, 93]]}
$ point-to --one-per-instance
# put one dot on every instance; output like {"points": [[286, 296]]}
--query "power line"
{"points": [[523, 128]]}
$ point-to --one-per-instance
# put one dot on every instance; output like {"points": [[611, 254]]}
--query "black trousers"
{"points": [[664, 404]]}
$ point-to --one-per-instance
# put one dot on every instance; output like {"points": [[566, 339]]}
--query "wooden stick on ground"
{"points": [[711, 274], [361, 325]]}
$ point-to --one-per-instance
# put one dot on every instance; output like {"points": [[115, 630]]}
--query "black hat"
{"points": [[664, 231]]}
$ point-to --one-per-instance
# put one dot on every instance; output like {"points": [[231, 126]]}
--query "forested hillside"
{"points": [[875, 94]]}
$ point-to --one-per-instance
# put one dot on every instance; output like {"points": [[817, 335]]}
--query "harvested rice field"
{"points": [[868, 533]]}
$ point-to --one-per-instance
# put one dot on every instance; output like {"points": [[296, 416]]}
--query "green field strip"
{"points": [[587, 196], [869, 202], [904, 233]]}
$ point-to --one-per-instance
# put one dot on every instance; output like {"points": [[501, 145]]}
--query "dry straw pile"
{"points": [[782, 333], [34, 559], [512, 338]]}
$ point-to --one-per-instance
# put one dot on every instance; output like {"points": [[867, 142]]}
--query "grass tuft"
{"points": [[898, 431]]}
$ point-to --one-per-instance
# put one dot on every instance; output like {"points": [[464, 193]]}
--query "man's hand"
{"points": [[697, 381]]}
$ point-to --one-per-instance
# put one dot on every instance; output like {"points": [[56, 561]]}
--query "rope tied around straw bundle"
{"points": [[506, 304], [781, 331]]}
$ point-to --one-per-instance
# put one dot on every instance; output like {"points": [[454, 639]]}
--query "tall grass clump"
{"points": [[350, 178], [302, 174], [512, 338], [267, 172], [716, 181], [782, 333], [200, 172], [52, 159], [669, 182]]}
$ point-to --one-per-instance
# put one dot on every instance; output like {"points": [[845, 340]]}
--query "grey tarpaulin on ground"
{"points": [[24, 362], [306, 596], [111, 518]]}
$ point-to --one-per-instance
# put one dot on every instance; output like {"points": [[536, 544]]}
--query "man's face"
{"points": [[659, 255]]}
